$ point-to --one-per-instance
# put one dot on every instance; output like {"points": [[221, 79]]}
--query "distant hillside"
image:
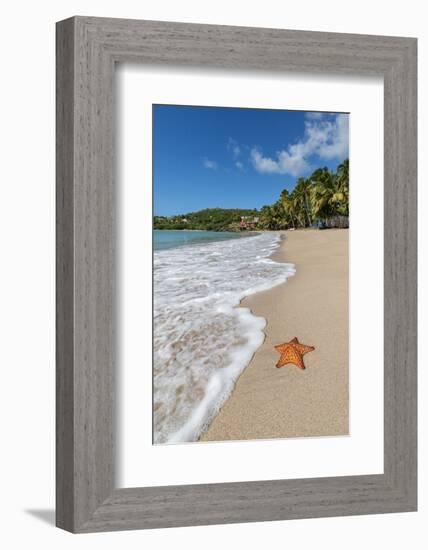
{"points": [[210, 219]]}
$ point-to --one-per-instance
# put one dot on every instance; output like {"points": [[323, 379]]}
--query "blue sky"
{"points": [[207, 157]]}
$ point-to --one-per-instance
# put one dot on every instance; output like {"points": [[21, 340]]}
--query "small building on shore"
{"points": [[341, 222], [249, 222]]}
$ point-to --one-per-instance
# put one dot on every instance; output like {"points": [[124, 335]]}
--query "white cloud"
{"points": [[326, 138], [314, 115], [336, 144], [239, 165], [286, 163], [233, 146], [210, 164]]}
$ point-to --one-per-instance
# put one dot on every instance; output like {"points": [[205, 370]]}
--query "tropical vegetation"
{"points": [[320, 200], [209, 219]]}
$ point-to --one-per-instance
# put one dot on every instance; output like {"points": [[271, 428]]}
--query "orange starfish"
{"points": [[292, 352]]}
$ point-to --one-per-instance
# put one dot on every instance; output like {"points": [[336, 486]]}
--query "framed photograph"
{"points": [[219, 303], [236, 274]]}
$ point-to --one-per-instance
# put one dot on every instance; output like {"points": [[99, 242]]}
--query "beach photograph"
{"points": [[250, 274]]}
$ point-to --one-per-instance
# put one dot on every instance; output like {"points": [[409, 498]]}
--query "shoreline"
{"points": [[193, 375], [267, 402]]}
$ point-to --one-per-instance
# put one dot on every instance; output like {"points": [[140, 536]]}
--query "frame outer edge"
{"points": [[65, 108], [400, 316], [86, 498], [94, 274]]}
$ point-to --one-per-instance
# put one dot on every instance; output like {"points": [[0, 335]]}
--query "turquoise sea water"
{"points": [[162, 240]]}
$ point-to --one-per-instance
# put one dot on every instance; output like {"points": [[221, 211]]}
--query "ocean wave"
{"points": [[202, 341]]}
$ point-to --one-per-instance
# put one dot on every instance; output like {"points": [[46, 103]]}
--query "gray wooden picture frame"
{"points": [[87, 50]]}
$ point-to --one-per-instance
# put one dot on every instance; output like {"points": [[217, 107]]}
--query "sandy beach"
{"points": [[313, 306]]}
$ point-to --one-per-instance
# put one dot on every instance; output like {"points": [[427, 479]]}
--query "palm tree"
{"points": [[330, 192], [267, 217], [278, 214], [323, 195], [323, 190], [302, 200], [342, 176], [343, 172], [289, 207]]}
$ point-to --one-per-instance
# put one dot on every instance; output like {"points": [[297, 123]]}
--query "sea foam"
{"points": [[202, 341]]}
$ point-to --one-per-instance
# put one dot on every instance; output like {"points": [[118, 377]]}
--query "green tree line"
{"points": [[321, 199], [209, 219]]}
